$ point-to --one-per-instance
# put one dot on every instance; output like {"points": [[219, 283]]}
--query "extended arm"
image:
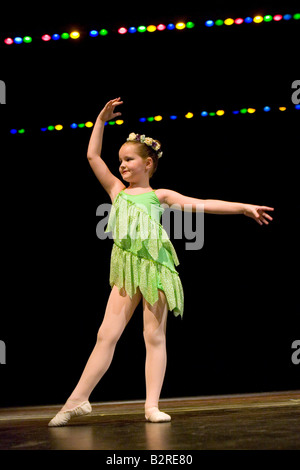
{"points": [[110, 183], [215, 206]]}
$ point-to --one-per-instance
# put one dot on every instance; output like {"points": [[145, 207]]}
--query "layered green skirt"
{"points": [[143, 255]]}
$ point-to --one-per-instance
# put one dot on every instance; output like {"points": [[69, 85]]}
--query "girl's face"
{"points": [[132, 166]]}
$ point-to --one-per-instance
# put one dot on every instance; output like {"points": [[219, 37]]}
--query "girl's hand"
{"points": [[258, 213], [107, 112]]}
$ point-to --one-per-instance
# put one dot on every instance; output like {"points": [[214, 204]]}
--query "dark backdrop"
{"points": [[241, 305]]}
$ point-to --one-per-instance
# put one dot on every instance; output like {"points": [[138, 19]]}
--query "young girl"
{"points": [[142, 266]]}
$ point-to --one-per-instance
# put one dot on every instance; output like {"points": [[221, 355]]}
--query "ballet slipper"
{"points": [[63, 417], [155, 416]]}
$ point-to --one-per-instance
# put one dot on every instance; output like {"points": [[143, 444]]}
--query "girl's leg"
{"points": [[155, 324], [119, 310]]}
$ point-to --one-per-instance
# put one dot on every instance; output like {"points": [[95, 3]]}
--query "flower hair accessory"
{"points": [[145, 140]]}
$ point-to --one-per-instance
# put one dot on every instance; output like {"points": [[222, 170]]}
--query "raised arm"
{"points": [[215, 206], [110, 183]]}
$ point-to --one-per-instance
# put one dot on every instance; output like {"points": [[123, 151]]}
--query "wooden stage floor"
{"points": [[268, 421]]}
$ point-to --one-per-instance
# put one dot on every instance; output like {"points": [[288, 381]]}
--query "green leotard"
{"points": [[143, 255]]}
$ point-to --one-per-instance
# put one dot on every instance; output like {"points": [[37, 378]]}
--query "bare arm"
{"points": [[215, 206], [110, 183]]}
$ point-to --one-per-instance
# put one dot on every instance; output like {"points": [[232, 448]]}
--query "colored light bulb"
{"points": [[267, 109], [161, 27], [142, 29], [122, 30], [132, 29], [89, 124], [21, 131], [190, 25], [287, 17], [251, 110], [157, 118], [211, 114], [171, 26], [277, 18], [46, 37], [243, 111], [220, 112], [296, 16], [229, 21], [258, 19], [93, 33], [58, 127], [150, 119], [239, 21], [189, 115], [18, 40], [282, 108], [55, 37], [103, 32], [81, 125], [219, 22], [268, 18], [65, 36], [9, 41], [248, 19], [151, 28], [173, 117], [204, 113], [73, 126], [142, 119], [74, 35], [297, 106], [51, 128], [119, 122], [13, 131], [27, 39], [209, 23]]}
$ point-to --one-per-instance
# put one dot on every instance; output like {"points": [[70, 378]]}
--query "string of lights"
{"points": [[158, 118], [130, 30]]}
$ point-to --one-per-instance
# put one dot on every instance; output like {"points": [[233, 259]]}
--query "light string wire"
{"points": [[130, 30], [189, 116]]}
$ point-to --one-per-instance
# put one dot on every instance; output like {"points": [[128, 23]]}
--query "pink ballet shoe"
{"points": [[63, 417], [155, 416]]}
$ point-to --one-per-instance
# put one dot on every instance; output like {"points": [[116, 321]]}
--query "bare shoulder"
{"points": [[162, 195], [118, 186]]}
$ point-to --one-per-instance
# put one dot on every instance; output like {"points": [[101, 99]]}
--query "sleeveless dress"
{"points": [[143, 255]]}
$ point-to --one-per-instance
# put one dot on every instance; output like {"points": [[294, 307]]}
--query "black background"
{"points": [[241, 290]]}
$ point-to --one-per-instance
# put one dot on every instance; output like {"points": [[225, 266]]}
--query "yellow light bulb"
{"points": [[157, 118], [89, 124], [58, 127], [229, 21], [220, 112], [251, 110], [151, 28], [119, 122], [258, 19], [180, 25], [189, 115], [282, 108], [74, 35]]}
